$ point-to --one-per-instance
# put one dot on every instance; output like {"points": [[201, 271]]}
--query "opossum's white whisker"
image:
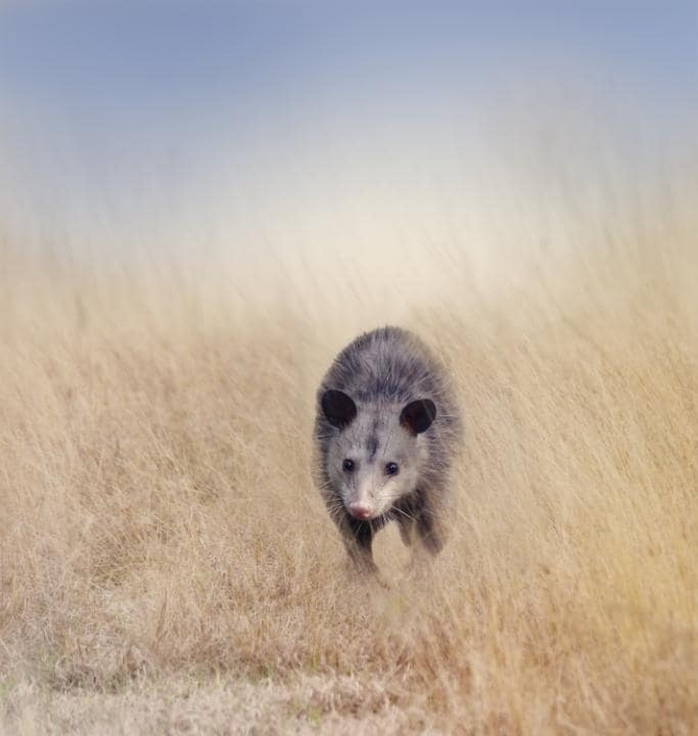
{"points": [[404, 513]]}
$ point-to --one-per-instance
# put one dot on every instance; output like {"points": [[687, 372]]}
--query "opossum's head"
{"points": [[376, 452]]}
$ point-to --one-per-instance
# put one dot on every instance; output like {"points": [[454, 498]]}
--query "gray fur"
{"points": [[383, 372]]}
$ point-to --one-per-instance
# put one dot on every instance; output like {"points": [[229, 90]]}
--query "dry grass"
{"points": [[168, 567]]}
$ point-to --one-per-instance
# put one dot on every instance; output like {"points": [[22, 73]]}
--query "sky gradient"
{"points": [[130, 111]]}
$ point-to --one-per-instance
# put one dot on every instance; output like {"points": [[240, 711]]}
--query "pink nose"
{"points": [[359, 511]]}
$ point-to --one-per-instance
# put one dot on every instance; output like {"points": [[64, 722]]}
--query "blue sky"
{"points": [[152, 54], [107, 99]]}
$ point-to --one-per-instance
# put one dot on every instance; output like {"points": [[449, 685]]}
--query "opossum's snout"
{"points": [[358, 492], [369, 488], [360, 511]]}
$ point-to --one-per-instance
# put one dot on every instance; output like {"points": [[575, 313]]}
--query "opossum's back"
{"points": [[389, 364]]}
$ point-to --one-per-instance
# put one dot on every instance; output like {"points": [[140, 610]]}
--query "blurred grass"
{"points": [[161, 536]]}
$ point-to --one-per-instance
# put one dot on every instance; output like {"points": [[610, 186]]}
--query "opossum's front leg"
{"points": [[406, 527], [430, 530], [430, 527], [358, 538], [421, 513]]}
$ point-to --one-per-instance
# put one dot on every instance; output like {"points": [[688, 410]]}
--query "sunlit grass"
{"points": [[167, 564]]}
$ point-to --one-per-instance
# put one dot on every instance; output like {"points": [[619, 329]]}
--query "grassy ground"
{"points": [[167, 566]]}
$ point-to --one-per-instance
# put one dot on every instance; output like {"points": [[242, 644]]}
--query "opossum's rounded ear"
{"points": [[418, 415], [339, 408]]}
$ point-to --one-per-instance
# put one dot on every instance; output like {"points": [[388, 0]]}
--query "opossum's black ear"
{"points": [[339, 408], [418, 415]]}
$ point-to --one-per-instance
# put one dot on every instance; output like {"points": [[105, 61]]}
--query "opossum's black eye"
{"points": [[348, 465], [392, 469]]}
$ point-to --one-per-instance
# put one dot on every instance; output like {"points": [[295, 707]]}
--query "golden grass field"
{"points": [[167, 566]]}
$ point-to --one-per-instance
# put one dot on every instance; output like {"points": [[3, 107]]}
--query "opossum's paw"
{"points": [[366, 574], [361, 566], [421, 566], [379, 582]]}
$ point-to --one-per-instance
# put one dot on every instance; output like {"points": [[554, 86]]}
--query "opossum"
{"points": [[387, 428]]}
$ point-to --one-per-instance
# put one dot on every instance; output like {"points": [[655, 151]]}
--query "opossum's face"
{"points": [[377, 452]]}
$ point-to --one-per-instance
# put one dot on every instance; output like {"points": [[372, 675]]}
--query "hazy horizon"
{"points": [[125, 122]]}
